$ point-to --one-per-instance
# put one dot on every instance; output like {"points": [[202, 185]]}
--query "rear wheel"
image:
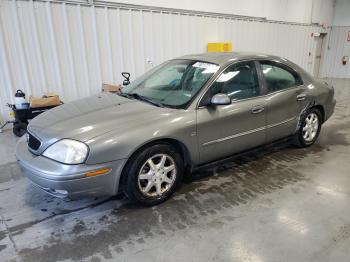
{"points": [[309, 129], [153, 174]]}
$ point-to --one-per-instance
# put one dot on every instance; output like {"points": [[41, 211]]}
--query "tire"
{"points": [[19, 128], [161, 181], [301, 139]]}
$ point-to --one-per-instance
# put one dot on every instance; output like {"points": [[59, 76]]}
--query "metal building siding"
{"points": [[72, 48], [337, 46]]}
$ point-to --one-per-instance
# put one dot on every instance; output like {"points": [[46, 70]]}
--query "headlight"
{"points": [[67, 151]]}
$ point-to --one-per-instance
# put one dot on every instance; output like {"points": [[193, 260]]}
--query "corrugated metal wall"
{"points": [[71, 48], [337, 47]]}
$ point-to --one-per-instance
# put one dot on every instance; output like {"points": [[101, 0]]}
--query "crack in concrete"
{"points": [[9, 234], [342, 235]]}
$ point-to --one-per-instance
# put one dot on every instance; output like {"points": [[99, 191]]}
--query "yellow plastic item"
{"points": [[220, 47]]}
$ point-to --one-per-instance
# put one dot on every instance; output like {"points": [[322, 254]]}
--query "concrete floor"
{"points": [[278, 204]]}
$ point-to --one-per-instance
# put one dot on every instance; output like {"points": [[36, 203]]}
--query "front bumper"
{"points": [[63, 180]]}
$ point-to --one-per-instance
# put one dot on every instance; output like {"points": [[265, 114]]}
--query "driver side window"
{"points": [[239, 81]]}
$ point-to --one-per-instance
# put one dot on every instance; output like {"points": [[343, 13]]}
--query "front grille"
{"points": [[33, 142]]}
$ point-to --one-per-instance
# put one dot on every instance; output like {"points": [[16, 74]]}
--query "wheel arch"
{"points": [[311, 105], [178, 145], [322, 111]]}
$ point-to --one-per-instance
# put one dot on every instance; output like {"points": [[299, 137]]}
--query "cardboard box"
{"points": [[110, 88], [49, 99]]}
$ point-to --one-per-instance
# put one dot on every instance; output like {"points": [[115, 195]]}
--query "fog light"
{"points": [[98, 172]]}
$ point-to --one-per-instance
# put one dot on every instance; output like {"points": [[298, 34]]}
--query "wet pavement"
{"points": [[277, 204]]}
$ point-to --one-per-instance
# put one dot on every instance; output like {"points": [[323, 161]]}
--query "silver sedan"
{"points": [[181, 115]]}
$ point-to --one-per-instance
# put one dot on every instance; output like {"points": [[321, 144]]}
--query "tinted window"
{"points": [[239, 81], [279, 77]]}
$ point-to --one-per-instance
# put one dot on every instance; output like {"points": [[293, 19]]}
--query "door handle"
{"points": [[301, 97], [257, 109]]}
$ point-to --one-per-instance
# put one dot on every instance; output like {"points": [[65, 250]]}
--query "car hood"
{"points": [[93, 116]]}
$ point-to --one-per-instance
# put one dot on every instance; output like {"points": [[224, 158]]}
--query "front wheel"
{"points": [[309, 129], [153, 174]]}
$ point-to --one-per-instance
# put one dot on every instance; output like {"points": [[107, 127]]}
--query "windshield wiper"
{"points": [[146, 99], [141, 98]]}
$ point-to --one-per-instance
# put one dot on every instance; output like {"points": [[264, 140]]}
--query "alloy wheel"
{"points": [[310, 127], [157, 175]]}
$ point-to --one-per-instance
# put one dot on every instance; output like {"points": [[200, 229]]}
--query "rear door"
{"points": [[285, 99], [227, 129]]}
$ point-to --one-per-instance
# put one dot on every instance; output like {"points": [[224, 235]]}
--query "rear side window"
{"points": [[279, 77]]}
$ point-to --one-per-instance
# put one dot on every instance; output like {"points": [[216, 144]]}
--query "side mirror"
{"points": [[220, 99], [126, 75]]}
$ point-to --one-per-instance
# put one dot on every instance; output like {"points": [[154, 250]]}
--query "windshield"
{"points": [[173, 83]]}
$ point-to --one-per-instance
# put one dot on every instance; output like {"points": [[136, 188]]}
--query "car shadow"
{"points": [[247, 175]]}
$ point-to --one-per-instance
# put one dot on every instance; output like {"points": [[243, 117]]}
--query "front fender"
{"points": [[121, 145]]}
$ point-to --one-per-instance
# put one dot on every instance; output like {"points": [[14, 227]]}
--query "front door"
{"points": [[227, 129], [286, 95]]}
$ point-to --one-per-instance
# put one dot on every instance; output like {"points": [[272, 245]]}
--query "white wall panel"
{"points": [[341, 13], [337, 46], [323, 11], [302, 11], [72, 48]]}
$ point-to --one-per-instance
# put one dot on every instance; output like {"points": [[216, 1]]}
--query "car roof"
{"points": [[222, 58]]}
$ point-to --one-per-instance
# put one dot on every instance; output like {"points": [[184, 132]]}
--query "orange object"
{"points": [[98, 172]]}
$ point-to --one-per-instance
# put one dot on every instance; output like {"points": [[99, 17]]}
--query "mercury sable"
{"points": [[183, 114]]}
